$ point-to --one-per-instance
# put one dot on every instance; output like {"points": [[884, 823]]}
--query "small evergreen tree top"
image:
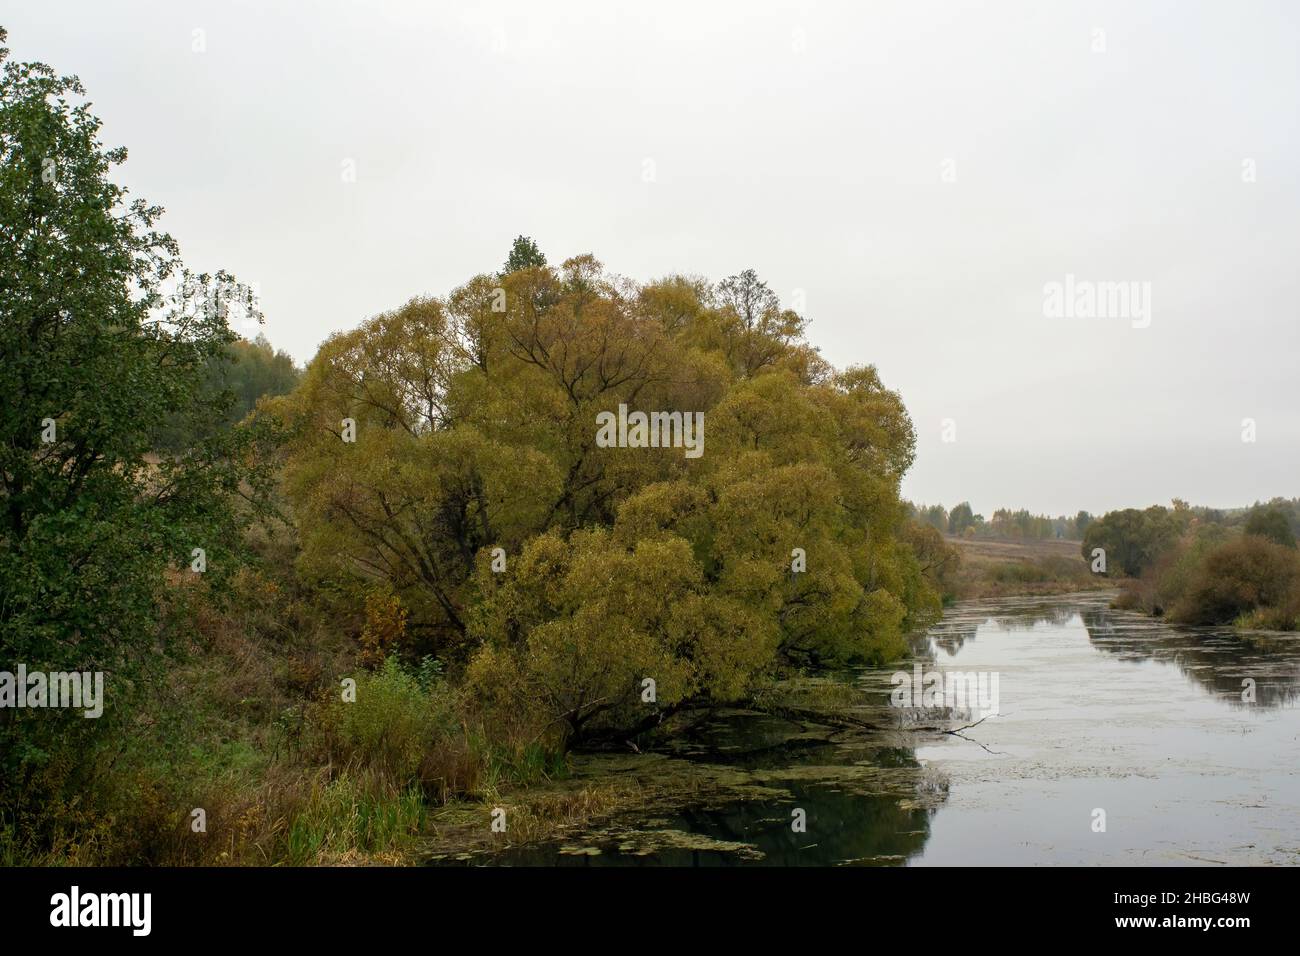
{"points": [[524, 254]]}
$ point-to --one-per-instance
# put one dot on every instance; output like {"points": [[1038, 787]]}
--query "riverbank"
{"points": [[601, 787], [727, 774], [1100, 710]]}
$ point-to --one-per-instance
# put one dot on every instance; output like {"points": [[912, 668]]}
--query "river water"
{"points": [[1117, 739]]}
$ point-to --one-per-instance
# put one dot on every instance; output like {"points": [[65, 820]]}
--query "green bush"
{"points": [[1237, 578], [387, 728], [1165, 584], [403, 726]]}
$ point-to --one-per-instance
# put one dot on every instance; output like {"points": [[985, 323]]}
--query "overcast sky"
{"points": [[916, 172]]}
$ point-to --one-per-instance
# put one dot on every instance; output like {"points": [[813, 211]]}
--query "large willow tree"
{"points": [[474, 425]]}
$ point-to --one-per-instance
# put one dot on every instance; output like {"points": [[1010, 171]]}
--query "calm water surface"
{"points": [[1097, 709]]}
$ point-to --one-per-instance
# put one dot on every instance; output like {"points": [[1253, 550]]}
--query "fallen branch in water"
{"points": [[957, 732]]}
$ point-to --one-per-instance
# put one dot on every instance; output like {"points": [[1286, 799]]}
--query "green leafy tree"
{"points": [[935, 516], [960, 518], [1133, 539], [251, 370], [242, 374], [1271, 523], [96, 355]]}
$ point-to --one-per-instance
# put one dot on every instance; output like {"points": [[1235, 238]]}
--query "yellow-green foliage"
{"points": [[581, 623], [1167, 583], [385, 626], [388, 728], [475, 424]]}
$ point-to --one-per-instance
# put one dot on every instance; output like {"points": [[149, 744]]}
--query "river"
{"points": [[1117, 739]]}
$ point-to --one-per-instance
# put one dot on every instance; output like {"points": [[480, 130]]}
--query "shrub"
{"points": [[406, 732], [1163, 584], [384, 628], [1239, 577]]}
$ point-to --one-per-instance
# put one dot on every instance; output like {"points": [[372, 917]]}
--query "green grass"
{"points": [[353, 815]]}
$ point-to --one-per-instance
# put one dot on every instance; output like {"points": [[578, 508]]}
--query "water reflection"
{"points": [[1104, 709], [962, 622], [1217, 659], [863, 799], [1100, 708], [1224, 661], [843, 828]]}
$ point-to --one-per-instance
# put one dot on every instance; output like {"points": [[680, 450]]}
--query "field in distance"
{"points": [[994, 567]]}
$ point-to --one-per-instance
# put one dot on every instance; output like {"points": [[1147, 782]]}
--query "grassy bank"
{"points": [[252, 724], [997, 568], [245, 747]]}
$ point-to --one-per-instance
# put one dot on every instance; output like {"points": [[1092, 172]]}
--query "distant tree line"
{"points": [[1018, 525], [233, 380]]}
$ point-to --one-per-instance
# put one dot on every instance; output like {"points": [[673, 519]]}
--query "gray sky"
{"points": [[918, 171]]}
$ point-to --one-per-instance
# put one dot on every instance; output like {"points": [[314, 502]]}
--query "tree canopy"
{"points": [[104, 337], [1270, 523], [1133, 539], [106, 345], [474, 422]]}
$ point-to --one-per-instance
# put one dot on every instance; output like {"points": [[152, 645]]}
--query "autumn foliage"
{"points": [[474, 419]]}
